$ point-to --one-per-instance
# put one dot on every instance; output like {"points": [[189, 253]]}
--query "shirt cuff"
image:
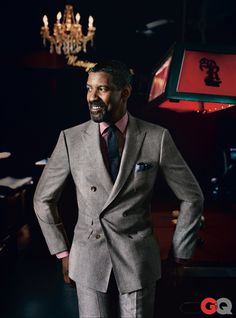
{"points": [[62, 254]]}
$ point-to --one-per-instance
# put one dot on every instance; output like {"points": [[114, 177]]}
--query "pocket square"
{"points": [[142, 166]]}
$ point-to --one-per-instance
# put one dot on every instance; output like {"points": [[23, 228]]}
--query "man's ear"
{"points": [[126, 92]]}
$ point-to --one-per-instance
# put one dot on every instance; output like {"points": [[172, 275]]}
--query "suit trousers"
{"points": [[112, 304]]}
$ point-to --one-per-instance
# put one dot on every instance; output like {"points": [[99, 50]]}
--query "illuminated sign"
{"points": [[195, 79]]}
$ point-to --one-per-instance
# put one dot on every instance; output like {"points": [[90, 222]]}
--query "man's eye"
{"points": [[103, 89], [89, 89]]}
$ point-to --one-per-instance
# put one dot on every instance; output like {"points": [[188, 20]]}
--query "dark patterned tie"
{"points": [[113, 152]]}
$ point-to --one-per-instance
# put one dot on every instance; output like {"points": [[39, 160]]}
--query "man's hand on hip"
{"points": [[65, 271]]}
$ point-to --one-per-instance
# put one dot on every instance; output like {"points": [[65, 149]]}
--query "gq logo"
{"points": [[222, 306]]}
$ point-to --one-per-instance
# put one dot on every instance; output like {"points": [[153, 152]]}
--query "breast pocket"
{"points": [[144, 177]]}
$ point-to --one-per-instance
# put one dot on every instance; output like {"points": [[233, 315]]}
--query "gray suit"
{"points": [[114, 228]]}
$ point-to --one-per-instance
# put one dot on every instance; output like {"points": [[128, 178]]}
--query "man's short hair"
{"points": [[121, 74]]}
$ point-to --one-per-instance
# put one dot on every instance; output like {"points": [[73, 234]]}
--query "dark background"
{"points": [[40, 94]]}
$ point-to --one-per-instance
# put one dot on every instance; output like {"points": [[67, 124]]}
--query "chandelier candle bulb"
{"points": [[59, 17], [77, 18], [90, 22], [45, 21]]}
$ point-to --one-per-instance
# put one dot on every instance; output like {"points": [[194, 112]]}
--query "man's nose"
{"points": [[92, 96]]}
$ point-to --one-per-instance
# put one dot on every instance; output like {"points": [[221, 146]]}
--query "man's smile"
{"points": [[96, 109]]}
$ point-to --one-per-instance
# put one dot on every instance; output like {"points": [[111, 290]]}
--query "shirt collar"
{"points": [[120, 124]]}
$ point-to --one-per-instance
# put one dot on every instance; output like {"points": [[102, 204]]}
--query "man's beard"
{"points": [[99, 112]]}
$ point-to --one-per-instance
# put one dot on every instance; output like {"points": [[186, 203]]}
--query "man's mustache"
{"points": [[98, 104]]}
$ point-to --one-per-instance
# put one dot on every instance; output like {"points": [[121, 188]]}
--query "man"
{"points": [[114, 159]]}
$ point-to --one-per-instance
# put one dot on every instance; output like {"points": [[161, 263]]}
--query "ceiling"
{"points": [[121, 26]]}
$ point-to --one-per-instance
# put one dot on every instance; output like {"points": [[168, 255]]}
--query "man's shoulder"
{"points": [[148, 126], [77, 128]]}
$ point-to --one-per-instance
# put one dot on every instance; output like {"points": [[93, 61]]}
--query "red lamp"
{"points": [[195, 78]]}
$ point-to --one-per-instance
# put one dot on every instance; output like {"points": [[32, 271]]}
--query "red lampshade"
{"points": [[195, 79]]}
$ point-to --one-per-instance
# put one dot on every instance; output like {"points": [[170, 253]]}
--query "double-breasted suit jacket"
{"points": [[114, 230]]}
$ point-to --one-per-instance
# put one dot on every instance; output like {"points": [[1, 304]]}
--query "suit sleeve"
{"points": [[186, 188], [47, 195]]}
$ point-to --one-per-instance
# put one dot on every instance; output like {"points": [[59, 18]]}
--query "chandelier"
{"points": [[68, 36]]}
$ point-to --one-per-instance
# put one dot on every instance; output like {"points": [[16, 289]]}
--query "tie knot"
{"points": [[112, 128]]}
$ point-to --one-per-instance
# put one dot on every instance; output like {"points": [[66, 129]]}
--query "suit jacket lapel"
{"points": [[91, 139], [133, 143]]}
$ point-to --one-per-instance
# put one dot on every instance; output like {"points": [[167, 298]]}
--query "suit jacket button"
{"points": [[98, 236], [93, 188], [125, 214]]}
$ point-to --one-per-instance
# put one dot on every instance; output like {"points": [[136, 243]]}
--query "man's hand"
{"points": [[65, 271]]}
